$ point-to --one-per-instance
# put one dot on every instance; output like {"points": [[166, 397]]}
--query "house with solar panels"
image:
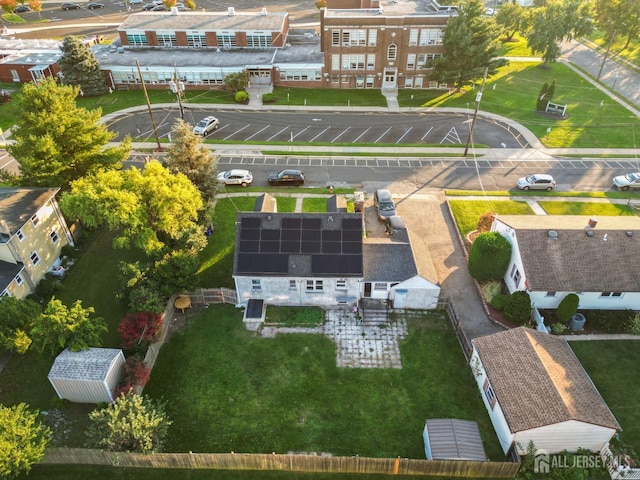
{"points": [[322, 259]]}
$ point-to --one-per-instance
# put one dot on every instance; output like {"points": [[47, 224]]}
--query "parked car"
{"points": [[207, 125], [92, 5], [393, 224], [539, 181], [22, 9], [149, 6], [135, 2], [625, 182], [286, 177], [160, 8], [236, 177], [70, 6], [384, 204]]}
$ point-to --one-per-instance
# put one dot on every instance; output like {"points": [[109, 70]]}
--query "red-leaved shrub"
{"points": [[140, 327], [136, 374]]}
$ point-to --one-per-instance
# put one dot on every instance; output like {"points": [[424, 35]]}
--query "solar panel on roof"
{"points": [[270, 234], [289, 235], [247, 246], [352, 236], [311, 235], [270, 247], [331, 247], [291, 223], [336, 264], [310, 247], [352, 247], [249, 234], [331, 235], [290, 247], [263, 263], [311, 223], [250, 222], [351, 224]]}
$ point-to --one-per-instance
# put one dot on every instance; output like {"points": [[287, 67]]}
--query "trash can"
{"points": [[358, 201]]}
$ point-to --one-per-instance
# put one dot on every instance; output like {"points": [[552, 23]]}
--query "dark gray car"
{"points": [[384, 204]]}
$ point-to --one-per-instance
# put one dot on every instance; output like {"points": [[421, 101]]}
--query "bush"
{"points": [[136, 374], [558, 328], [48, 286], [499, 301], [140, 327], [608, 321], [5, 97], [489, 257], [518, 308], [485, 222], [633, 325], [490, 290], [241, 97], [269, 98], [568, 307]]}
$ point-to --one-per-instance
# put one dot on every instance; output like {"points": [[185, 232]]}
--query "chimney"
{"points": [[4, 227], [593, 221]]}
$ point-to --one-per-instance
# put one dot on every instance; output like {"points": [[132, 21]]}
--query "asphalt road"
{"points": [[337, 127]]}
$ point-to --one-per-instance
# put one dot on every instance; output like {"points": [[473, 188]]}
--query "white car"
{"points": [[135, 2], [236, 177], [205, 126], [539, 181], [625, 182]]}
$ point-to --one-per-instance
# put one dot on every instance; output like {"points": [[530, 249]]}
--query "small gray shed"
{"points": [[453, 439], [88, 376]]}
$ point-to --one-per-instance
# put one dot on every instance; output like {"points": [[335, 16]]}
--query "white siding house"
{"points": [[535, 389], [554, 255], [88, 376]]}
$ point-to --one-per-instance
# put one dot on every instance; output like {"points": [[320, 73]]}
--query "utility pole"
{"points": [[606, 54], [475, 113], [177, 87], [146, 97]]}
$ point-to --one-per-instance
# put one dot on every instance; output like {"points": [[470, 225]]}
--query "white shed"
{"points": [[453, 439], [535, 389], [88, 376]]}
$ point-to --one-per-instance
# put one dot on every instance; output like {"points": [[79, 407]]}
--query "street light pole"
{"points": [[153, 122], [475, 113], [177, 87]]}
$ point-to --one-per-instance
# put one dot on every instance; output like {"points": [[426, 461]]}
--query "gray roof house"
{"points": [[87, 376], [554, 255], [535, 389]]}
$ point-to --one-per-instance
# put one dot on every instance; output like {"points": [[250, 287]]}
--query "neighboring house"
{"points": [[32, 234], [554, 255], [23, 61], [535, 389], [321, 259], [87, 376], [374, 44]]}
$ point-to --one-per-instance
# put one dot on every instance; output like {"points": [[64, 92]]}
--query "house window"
{"points": [[35, 220], [413, 37], [552, 294], [20, 235], [35, 259], [167, 40], [226, 39], [255, 285], [341, 284], [430, 36], [392, 52], [382, 286], [54, 236], [137, 39], [315, 285], [292, 284], [335, 38], [488, 393], [611, 294], [18, 279], [411, 61], [515, 275], [373, 37], [4, 293]]}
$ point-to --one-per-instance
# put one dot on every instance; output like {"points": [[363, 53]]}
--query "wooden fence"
{"points": [[204, 296], [288, 463], [465, 342]]}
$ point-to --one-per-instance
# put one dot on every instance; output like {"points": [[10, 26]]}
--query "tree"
{"points": [[23, 440], [541, 104], [237, 81], [489, 257], [190, 4], [187, 155], [132, 423], [567, 307], [140, 327], [559, 20], [36, 6], [80, 68], [470, 43], [8, 5], [60, 327], [151, 209], [55, 141], [512, 18], [518, 307], [18, 318]]}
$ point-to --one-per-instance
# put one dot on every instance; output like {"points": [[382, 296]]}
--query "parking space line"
{"points": [[259, 131], [278, 133], [301, 131], [378, 139], [319, 134], [404, 135], [361, 135], [425, 135], [237, 131], [340, 134]]}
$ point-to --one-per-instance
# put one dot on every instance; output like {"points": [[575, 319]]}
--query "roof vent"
{"points": [[593, 221], [629, 234], [231, 11], [589, 233], [263, 12], [552, 234], [604, 238]]}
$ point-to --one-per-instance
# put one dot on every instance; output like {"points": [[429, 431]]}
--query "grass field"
{"points": [[467, 212]]}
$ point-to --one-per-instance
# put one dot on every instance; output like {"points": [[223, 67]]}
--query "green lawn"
{"points": [[586, 208], [613, 367], [314, 204], [467, 212], [329, 97], [630, 53], [228, 389]]}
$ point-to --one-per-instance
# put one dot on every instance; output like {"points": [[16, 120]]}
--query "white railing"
{"points": [[618, 469]]}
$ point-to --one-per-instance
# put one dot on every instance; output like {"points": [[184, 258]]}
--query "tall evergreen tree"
{"points": [[470, 42], [57, 142], [80, 68]]}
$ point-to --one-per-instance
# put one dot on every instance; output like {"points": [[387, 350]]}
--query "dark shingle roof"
{"points": [[572, 260], [389, 260], [298, 244], [538, 380]]}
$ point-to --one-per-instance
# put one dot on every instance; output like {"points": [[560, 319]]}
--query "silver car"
{"points": [[384, 204], [236, 177], [625, 182], [539, 181], [205, 126]]}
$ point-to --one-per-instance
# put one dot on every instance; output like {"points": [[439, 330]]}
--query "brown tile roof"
{"points": [[538, 380], [572, 260]]}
